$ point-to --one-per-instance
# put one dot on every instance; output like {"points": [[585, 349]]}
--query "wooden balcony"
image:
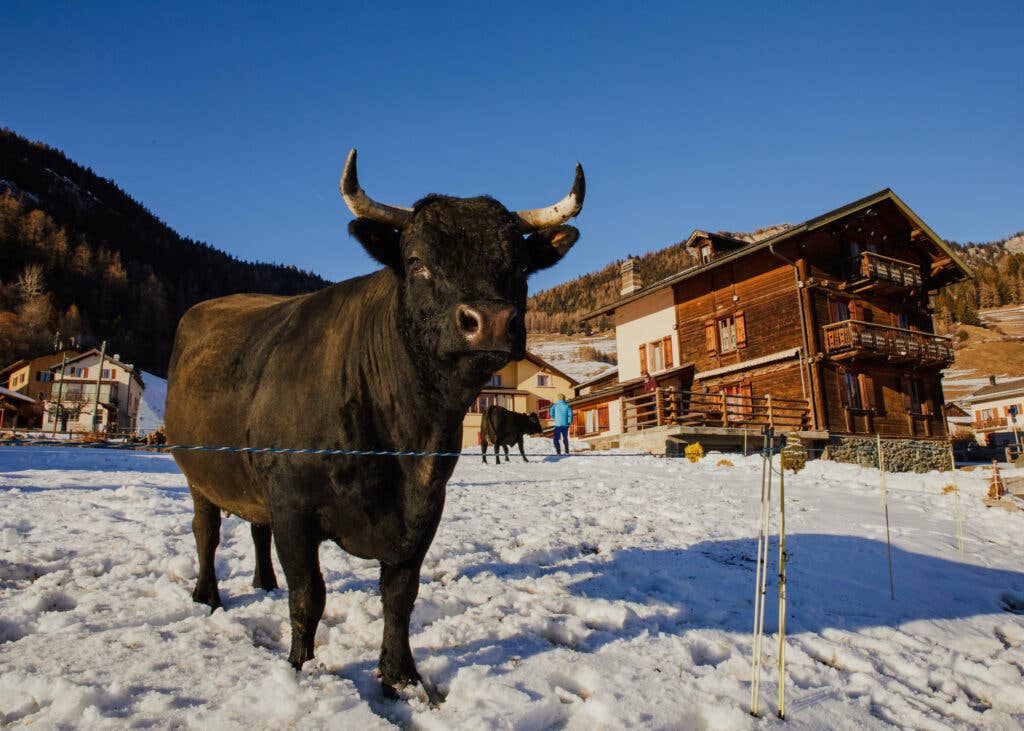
{"points": [[855, 339], [670, 407], [883, 273], [989, 424]]}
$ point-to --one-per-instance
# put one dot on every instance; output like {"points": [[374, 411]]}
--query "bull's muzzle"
{"points": [[491, 326]]}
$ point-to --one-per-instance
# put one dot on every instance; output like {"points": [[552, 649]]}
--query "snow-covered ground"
{"points": [[151, 410], [1009, 319], [579, 593]]}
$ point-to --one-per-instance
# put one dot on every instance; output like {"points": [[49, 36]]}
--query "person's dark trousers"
{"points": [[563, 432]]}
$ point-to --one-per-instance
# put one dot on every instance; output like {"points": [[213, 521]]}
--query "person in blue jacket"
{"points": [[561, 412]]}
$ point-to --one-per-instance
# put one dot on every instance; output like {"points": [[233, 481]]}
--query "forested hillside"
{"points": [[998, 267], [79, 258], [559, 309]]}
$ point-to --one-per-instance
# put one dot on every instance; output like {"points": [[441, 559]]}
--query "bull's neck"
{"points": [[384, 370]]}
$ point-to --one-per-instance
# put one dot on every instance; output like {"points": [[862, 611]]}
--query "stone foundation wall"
{"points": [[901, 455]]}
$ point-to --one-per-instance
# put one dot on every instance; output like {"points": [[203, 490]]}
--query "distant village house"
{"points": [[26, 389], [89, 385], [527, 385]]}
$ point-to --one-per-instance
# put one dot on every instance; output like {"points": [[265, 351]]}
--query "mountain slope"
{"points": [[83, 259]]}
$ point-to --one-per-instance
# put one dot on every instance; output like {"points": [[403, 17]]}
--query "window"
{"points": [[655, 361], [543, 405], [705, 253], [915, 398], [44, 376], [900, 320], [595, 420], [656, 355], [109, 373], [78, 372], [726, 333], [840, 311], [484, 400], [543, 380], [852, 390]]}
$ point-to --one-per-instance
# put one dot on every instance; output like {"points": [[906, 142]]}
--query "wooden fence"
{"points": [[668, 407]]}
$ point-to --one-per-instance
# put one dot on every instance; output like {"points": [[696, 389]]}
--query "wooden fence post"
{"points": [[771, 416]]}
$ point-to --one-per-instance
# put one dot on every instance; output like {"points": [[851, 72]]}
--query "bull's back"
{"points": [[220, 349]]}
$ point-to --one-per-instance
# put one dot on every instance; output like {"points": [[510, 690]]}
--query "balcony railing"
{"points": [[874, 270], [996, 423], [853, 338], [670, 407]]}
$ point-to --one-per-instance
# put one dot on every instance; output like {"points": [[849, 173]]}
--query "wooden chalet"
{"points": [[823, 328]]}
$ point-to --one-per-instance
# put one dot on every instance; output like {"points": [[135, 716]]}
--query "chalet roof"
{"points": [[802, 228], [108, 358], [8, 393], [999, 390], [723, 241], [13, 366], [599, 377]]}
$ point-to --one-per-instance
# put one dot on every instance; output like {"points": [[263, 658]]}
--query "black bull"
{"points": [[503, 428], [390, 361]]}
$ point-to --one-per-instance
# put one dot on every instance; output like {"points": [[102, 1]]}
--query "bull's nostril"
{"points": [[469, 321]]}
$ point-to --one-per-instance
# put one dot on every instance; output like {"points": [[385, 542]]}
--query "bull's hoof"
{"points": [[297, 660], [265, 584], [204, 595]]}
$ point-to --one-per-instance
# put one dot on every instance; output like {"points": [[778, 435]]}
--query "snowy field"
{"points": [[577, 593]]}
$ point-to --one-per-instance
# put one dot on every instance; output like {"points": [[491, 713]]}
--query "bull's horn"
{"points": [[362, 205], [560, 212]]}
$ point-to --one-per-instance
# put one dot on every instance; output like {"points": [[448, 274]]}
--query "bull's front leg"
{"points": [[298, 548], [399, 585], [522, 451]]}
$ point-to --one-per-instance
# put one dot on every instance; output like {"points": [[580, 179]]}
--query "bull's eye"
{"points": [[415, 265]]}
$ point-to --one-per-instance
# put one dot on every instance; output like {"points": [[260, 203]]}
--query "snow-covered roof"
{"points": [[15, 395]]}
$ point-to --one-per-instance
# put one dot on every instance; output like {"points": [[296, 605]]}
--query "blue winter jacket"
{"points": [[561, 412]]}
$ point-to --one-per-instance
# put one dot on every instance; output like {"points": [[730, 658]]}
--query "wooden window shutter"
{"points": [[602, 418], [710, 336], [867, 391], [894, 319], [741, 329], [856, 310], [643, 358], [844, 397], [747, 392], [905, 390], [667, 350]]}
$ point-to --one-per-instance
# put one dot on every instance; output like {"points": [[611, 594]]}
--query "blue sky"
{"points": [[232, 123]]}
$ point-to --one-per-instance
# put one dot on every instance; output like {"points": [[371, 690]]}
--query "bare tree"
{"points": [[70, 407], [31, 284]]}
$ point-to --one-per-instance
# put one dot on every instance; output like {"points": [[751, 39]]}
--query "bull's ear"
{"points": [[380, 240], [549, 245]]}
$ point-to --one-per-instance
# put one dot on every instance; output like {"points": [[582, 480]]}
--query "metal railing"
{"points": [[671, 407], [855, 337]]}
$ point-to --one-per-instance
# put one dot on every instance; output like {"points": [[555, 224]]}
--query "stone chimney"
{"points": [[992, 379], [630, 272]]}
